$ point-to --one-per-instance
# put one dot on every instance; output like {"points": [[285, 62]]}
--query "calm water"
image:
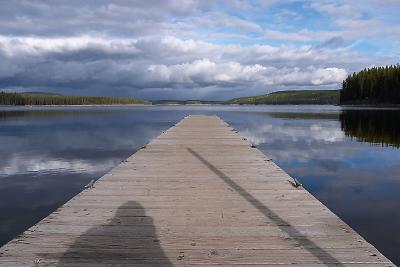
{"points": [[349, 159]]}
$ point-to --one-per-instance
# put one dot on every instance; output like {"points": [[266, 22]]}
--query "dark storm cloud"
{"points": [[168, 48], [82, 62]]}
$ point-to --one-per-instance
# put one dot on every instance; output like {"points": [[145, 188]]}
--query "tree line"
{"points": [[378, 85], [43, 99]]}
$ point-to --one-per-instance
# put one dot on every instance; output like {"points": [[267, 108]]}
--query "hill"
{"points": [[39, 93], [185, 102], [36, 98], [300, 97]]}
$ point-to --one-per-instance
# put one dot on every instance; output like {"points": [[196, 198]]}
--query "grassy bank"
{"points": [[301, 97], [32, 99]]}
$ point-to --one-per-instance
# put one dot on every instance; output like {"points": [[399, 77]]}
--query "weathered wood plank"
{"points": [[199, 194]]}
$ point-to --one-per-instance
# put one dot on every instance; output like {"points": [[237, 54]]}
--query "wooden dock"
{"points": [[199, 194]]}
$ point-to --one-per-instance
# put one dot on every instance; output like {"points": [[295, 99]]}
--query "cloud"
{"points": [[333, 42], [336, 9], [303, 35], [142, 48], [206, 71], [314, 133], [159, 63], [16, 166]]}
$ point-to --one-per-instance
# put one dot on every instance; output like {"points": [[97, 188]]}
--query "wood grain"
{"points": [[199, 194]]}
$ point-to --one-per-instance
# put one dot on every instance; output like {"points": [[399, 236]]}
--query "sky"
{"points": [[192, 49]]}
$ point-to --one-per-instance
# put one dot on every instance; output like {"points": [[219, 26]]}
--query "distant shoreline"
{"points": [[46, 99], [210, 104], [371, 106], [94, 105]]}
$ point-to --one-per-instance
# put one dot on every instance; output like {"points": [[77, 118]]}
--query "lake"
{"points": [[348, 158]]}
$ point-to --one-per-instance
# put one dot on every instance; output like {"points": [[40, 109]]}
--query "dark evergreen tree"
{"points": [[378, 85]]}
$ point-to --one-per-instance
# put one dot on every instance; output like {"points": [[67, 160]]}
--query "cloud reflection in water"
{"points": [[49, 154]]}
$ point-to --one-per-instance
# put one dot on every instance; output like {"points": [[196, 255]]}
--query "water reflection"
{"points": [[48, 154], [13, 114], [372, 126], [359, 182], [327, 115]]}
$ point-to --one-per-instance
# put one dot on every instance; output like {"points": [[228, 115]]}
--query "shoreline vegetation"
{"points": [[329, 97], [378, 86], [372, 87], [48, 99], [295, 97]]}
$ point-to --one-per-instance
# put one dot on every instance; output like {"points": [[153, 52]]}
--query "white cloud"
{"points": [[185, 45], [168, 62], [304, 35], [268, 133], [36, 46], [43, 164], [206, 71], [337, 9]]}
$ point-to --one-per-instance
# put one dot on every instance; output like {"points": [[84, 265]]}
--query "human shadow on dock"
{"points": [[302, 240], [128, 239]]}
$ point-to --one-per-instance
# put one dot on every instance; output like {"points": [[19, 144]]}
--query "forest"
{"points": [[31, 99], [372, 86]]}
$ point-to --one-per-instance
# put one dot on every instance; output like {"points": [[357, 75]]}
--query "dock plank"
{"points": [[199, 194]]}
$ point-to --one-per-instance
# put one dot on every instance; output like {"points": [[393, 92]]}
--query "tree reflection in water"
{"points": [[373, 126]]}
